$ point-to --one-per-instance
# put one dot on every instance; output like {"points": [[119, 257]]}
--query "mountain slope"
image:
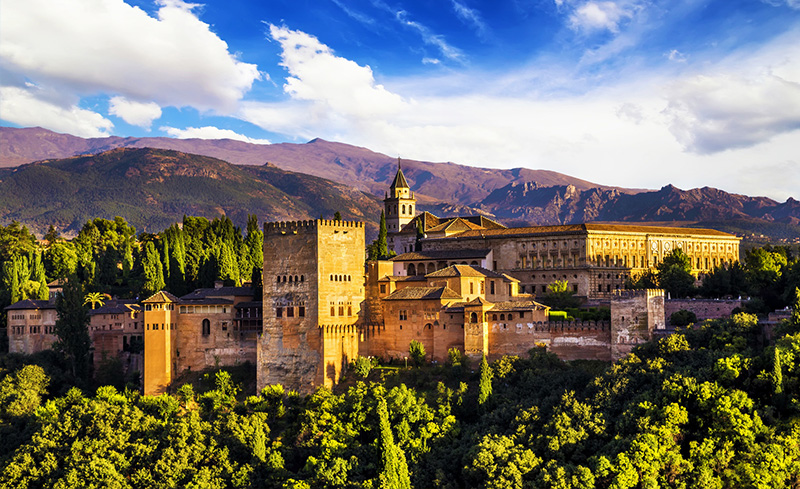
{"points": [[153, 188], [369, 171]]}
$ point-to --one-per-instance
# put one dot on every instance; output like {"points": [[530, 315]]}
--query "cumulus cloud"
{"points": [[90, 47], [351, 93], [134, 113], [26, 107], [210, 132]]}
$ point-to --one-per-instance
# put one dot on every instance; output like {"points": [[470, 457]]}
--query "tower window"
{"points": [[206, 327]]}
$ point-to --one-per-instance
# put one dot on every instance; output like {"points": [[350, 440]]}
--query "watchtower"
{"points": [[159, 339], [313, 293]]}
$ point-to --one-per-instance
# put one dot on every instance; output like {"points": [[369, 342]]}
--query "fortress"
{"points": [[466, 283]]}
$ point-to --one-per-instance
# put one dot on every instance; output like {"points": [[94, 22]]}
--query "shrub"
{"points": [[417, 352], [682, 318]]}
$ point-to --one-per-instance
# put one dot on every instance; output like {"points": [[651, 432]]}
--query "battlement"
{"points": [[630, 294], [295, 227], [339, 328]]}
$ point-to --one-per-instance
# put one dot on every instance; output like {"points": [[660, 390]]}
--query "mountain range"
{"points": [[150, 181]]}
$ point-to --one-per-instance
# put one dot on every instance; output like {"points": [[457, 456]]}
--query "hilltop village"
{"points": [[466, 283]]}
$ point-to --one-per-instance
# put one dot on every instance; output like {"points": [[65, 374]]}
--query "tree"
{"points": [[153, 273], [337, 216], [378, 250], [682, 318], [72, 328], [417, 352], [559, 296], [485, 383], [393, 468], [94, 298], [675, 274]]}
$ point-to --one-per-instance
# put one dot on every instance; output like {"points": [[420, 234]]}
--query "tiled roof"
{"points": [[421, 293], [209, 301], [219, 292], [117, 306], [242, 305], [160, 297], [517, 305], [402, 278], [442, 255], [586, 228], [31, 304], [457, 271], [479, 301]]}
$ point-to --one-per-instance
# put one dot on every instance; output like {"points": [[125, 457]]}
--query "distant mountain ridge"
{"points": [[367, 170], [153, 188], [260, 183]]}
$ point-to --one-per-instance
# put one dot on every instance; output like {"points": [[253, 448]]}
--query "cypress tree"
{"points": [[153, 273], [127, 259], [777, 375], [228, 268], [485, 385], [38, 275], [394, 468], [380, 243], [72, 328]]}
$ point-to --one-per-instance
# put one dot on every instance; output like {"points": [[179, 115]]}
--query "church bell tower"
{"points": [[399, 203]]}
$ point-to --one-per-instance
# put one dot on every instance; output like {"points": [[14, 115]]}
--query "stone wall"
{"points": [[635, 314], [584, 340], [702, 308]]}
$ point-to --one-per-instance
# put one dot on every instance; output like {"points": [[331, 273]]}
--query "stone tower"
{"points": [[635, 314], [399, 203], [159, 340], [313, 293]]}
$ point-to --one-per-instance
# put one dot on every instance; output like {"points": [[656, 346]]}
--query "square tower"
{"points": [[313, 294]]}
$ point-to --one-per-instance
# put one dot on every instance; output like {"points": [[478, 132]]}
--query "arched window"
{"points": [[494, 317], [473, 318], [302, 278], [412, 270], [502, 317], [284, 279], [290, 279], [278, 279], [295, 278], [403, 209], [206, 327]]}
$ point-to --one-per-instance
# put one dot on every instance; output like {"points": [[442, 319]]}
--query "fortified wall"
{"points": [[702, 308]]}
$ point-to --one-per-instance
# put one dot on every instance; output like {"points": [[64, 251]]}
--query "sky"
{"points": [[632, 93]]}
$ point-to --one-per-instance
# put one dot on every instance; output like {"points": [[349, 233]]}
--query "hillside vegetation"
{"points": [[710, 407]]}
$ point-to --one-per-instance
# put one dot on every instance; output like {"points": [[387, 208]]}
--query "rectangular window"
{"points": [[403, 315], [483, 287], [383, 288], [290, 312], [333, 310], [278, 312], [349, 310], [301, 311], [341, 310], [491, 287]]}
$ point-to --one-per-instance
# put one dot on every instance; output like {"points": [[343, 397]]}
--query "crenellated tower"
{"points": [[399, 203], [313, 294]]}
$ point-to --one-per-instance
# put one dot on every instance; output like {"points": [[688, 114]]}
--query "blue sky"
{"points": [[636, 93]]}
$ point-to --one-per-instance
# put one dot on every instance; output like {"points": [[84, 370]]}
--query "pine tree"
{"points": [[394, 468], [485, 385], [72, 329]]}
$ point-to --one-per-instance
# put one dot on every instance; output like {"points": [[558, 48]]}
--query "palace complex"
{"points": [[465, 283]]}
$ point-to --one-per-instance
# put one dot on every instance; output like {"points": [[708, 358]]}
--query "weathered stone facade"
{"points": [[703, 308], [635, 315], [31, 326], [313, 293]]}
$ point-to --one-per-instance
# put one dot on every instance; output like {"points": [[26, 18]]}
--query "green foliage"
{"points": [[393, 472], [362, 366], [21, 392], [378, 250], [560, 296], [557, 316], [682, 318], [674, 274], [72, 329], [485, 383], [416, 351]]}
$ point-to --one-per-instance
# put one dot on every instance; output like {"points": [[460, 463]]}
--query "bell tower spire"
{"points": [[399, 203]]}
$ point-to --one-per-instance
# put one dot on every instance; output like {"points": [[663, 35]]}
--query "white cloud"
{"points": [[793, 4], [677, 56], [210, 132], [429, 37], [592, 16], [622, 133], [332, 84], [472, 17], [107, 46], [134, 113], [26, 107], [718, 113]]}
